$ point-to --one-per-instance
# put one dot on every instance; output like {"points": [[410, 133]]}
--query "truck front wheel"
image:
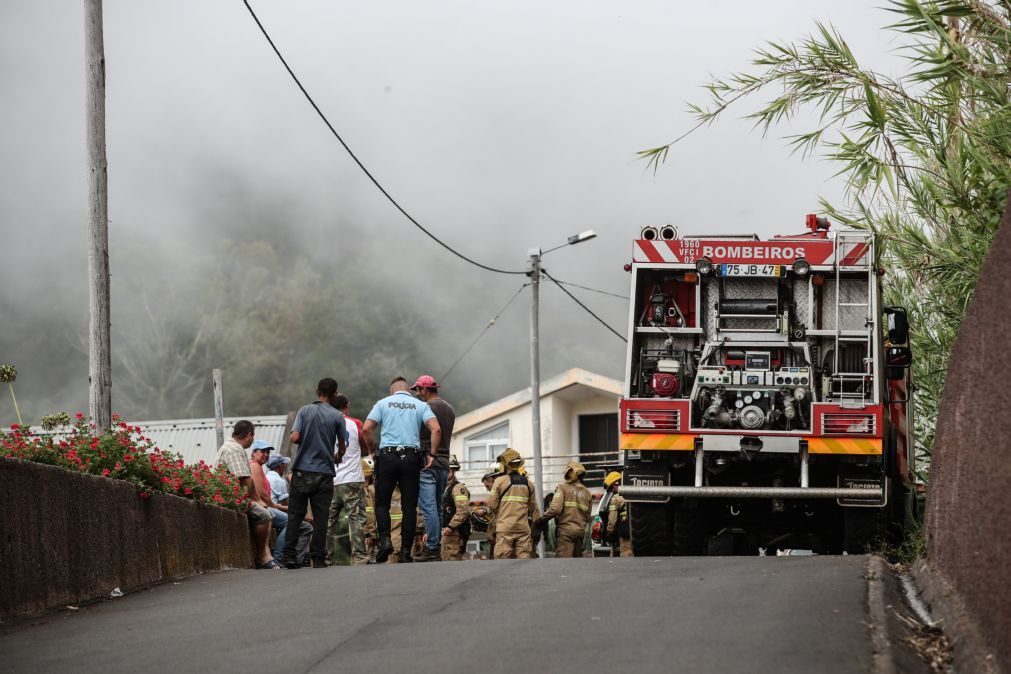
{"points": [[652, 529]]}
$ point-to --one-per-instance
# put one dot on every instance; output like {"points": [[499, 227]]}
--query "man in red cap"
{"points": [[433, 479]]}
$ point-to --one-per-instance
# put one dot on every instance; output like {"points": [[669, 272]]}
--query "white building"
{"points": [[579, 420]]}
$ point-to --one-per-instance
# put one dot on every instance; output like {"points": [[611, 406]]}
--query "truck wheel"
{"points": [[689, 530], [652, 529], [863, 529]]}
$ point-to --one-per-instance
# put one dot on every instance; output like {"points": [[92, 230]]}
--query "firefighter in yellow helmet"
{"points": [[571, 505], [455, 515], [617, 517], [513, 502]]}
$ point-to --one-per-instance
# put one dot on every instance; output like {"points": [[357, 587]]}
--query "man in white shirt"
{"points": [[349, 490]]}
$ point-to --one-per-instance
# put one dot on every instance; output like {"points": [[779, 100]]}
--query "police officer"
{"points": [[455, 516], [399, 460]]}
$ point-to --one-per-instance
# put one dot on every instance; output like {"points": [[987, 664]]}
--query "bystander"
{"points": [[434, 478], [349, 490], [318, 428], [232, 455]]}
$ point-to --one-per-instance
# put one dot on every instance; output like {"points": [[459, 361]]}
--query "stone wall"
{"points": [[969, 503], [67, 537]]}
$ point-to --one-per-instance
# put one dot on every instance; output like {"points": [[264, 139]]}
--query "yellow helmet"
{"points": [[510, 459], [367, 467], [612, 477], [573, 471]]}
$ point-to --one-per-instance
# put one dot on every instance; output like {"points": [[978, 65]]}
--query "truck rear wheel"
{"points": [[652, 529], [863, 529], [689, 530]]}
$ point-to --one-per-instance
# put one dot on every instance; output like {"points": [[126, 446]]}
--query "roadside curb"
{"points": [[882, 660], [971, 652]]}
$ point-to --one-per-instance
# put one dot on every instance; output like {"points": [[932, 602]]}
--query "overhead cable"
{"points": [[594, 290], [585, 308], [359, 162], [483, 332]]}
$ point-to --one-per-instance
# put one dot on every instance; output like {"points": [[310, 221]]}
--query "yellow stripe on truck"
{"points": [[661, 441], [844, 445]]}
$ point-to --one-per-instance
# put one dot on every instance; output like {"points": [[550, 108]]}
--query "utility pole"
{"points": [[535, 374], [535, 361], [99, 325], [219, 407]]}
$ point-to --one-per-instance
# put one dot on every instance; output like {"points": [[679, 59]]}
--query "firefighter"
{"points": [[571, 505], [396, 522], [617, 518], [482, 518], [455, 516], [513, 502]]}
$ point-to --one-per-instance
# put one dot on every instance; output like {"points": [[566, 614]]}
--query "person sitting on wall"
{"points": [[279, 517], [232, 455]]}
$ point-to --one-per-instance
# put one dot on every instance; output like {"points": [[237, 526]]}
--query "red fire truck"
{"points": [[767, 395]]}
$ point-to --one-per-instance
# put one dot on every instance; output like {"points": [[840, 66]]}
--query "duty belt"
{"points": [[399, 450]]}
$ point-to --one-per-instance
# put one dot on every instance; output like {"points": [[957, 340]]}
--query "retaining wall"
{"points": [[969, 504], [67, 537]]}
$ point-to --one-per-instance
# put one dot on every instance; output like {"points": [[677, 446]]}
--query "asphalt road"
{"points": [[736, 614]]}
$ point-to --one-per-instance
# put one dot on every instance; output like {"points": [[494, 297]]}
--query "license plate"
{"points": [[751, 270]]}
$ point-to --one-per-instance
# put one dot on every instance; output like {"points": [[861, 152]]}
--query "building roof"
{"points": [[565, 383]]}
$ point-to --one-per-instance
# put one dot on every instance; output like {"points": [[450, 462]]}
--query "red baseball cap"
{"points": [[425, 381]]}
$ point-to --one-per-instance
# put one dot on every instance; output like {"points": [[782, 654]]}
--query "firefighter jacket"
{"points": [[370, 511], [571, 505], [512, 502], [617, 518], [456, 508]]}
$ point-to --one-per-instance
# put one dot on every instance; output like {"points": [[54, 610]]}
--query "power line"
{"points": [[486, 329], [594, 290], [585, 308], [358, 161]]}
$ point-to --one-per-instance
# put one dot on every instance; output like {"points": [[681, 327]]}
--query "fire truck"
{"points": [[767, 395]]}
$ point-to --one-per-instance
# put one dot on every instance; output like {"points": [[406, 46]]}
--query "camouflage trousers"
{"points": [[349, 500]]}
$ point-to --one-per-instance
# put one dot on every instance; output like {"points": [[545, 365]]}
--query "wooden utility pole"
{"points": [[99, 326], [219, 407]]}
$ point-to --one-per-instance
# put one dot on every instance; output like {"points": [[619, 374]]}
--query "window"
{"points": [[483, 448]]}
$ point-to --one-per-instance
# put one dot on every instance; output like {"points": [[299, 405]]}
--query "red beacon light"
{"points": [[627, 267], [815, 223]]}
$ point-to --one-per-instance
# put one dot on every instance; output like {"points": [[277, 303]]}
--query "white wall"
{"points": [[559, 436]]}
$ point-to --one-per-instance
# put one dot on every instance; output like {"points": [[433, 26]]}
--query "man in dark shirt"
{"points": [[433, 479], [318, 428]]}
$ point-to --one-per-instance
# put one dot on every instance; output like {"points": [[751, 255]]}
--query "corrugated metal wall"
{"points": [[194, 440]]}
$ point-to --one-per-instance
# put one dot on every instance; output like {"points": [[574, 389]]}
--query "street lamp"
{"points": [[535, 359]]}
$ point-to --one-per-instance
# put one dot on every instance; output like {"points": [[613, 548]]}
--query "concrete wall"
{"points": [[969, 503], [66, 538]]}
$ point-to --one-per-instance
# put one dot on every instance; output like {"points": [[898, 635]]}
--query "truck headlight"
{"points": [[704, 266]]}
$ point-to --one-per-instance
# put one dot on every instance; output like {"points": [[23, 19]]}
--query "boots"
{"points": [[404, 557], [383, 550]]}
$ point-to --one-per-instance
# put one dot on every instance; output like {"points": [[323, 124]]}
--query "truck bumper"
{"points": [[662, 492]]}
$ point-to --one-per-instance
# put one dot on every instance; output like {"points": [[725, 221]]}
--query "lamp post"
{"points": [[535, 359]]}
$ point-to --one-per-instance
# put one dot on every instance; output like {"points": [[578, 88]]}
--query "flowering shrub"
{"points": [[122, 453]]}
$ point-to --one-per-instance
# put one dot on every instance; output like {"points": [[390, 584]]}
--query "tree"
{"points": [[926, 155]]}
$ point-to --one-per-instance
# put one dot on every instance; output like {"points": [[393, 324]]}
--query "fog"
{"points": [[499, 126]]}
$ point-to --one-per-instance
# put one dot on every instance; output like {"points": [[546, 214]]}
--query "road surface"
{"points": [[736, 614]]}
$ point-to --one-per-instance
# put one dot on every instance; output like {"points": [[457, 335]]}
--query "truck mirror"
{"points": [[897, 360], [898, 325]]}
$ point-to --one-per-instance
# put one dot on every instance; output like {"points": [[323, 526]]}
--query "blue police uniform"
{"points": [[398, 463]]}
